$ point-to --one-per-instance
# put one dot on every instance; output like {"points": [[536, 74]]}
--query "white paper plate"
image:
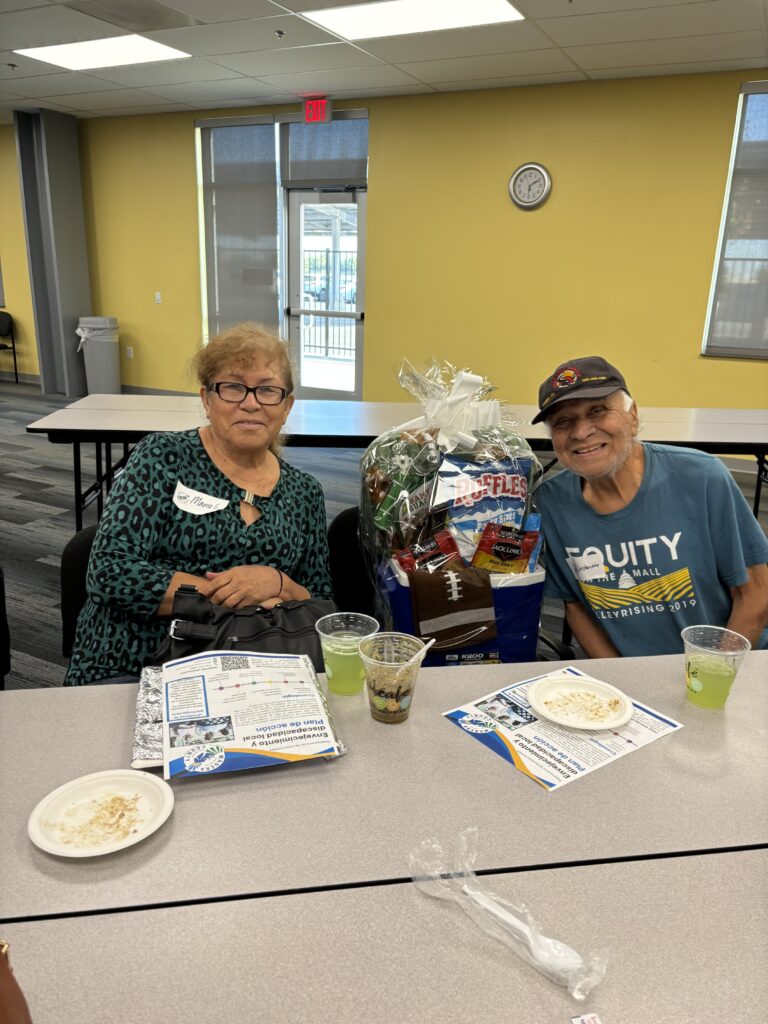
{"points": [[553, 686], [63, 822]]}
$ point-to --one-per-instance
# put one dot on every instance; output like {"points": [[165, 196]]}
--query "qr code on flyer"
{"points": [[234, 661]]}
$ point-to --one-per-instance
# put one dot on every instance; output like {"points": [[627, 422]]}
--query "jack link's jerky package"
{"points": [[431, 488]]}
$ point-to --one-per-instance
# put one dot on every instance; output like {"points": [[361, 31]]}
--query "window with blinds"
{"points": [[245, 167], [737, 317]]}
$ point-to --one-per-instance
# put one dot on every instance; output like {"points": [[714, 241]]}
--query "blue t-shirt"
{"points": [[664, 562]]}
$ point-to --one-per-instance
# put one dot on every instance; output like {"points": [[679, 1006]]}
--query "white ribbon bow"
{"points": [[459, 413]]}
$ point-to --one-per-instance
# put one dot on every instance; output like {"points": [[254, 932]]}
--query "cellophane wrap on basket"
{"points": [[446, 523]]}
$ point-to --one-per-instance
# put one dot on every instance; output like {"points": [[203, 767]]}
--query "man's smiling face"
{"points": [[593, 437]]}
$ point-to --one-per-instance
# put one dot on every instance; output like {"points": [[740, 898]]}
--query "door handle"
{"points": [[327, 313]]}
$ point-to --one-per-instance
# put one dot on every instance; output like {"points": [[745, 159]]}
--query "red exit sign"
{"points": [[317, 111]]}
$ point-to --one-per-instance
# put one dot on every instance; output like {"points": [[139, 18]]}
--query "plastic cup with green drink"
{"points": [[340, 636], [712, 658]]}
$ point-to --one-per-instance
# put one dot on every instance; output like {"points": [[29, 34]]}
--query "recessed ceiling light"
{"points": [[104, 53], [405, 17]]}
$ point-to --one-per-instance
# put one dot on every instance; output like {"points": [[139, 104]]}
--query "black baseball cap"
{"points": [[589, 377]]}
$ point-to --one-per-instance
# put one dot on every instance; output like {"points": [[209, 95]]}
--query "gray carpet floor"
{"points": [[37, 520]]}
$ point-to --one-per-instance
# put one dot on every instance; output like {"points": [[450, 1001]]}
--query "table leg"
{"points": [[108, 475], [99, 482], [78, 488], [762, 477]]}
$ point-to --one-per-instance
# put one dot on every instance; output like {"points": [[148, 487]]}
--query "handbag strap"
{"points": [[181, 629]]}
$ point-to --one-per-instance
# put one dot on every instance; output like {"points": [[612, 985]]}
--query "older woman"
{"points": [[214, 507]]}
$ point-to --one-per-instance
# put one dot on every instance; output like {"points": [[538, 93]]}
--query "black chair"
{"points": [[74, 564], [352, 586], [6, 331]]}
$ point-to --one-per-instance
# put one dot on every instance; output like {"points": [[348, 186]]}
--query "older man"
{"points": [[642, 539]]}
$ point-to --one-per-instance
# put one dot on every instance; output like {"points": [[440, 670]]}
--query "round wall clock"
{"points": [[529, 186]]}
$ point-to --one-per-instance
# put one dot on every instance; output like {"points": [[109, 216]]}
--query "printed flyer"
{"points": [[226, 711], [553, 755]]}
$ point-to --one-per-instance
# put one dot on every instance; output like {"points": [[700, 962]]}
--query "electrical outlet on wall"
{"points": [[158, 298], [128, 352]]}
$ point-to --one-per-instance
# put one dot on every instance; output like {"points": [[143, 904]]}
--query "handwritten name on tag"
{"points": [[587, 567], [196, 502]]}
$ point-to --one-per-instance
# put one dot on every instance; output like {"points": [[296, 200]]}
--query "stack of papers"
{"points": [[225, 711]]}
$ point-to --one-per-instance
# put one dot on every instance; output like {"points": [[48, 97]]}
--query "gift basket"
{"points": [[447, 527]]}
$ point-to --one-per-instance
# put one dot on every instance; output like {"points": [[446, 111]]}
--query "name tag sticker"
{"points": [[586, 1018], [587, 568], [196, 502]]}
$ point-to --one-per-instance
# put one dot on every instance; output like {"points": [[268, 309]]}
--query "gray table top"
{"points": [[356, 818], [684, 938], [741, 429]]}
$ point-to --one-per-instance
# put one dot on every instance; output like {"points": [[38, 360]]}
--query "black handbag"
{"points": [[198, 625]]}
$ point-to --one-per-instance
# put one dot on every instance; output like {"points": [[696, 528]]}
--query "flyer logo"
{"points": [[203, 759], [477, 723]]}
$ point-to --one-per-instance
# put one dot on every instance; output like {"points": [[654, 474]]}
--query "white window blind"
{"points": [[240, 210], [737, 317], [245, 166]]}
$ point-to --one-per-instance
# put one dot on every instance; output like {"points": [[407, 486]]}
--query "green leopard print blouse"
{"points": [[144, 537]]}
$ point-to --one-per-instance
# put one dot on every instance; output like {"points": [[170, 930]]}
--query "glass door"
{"points": [[326, 280]]}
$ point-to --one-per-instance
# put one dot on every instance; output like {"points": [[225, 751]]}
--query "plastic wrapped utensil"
{"points": [[507, 922]]}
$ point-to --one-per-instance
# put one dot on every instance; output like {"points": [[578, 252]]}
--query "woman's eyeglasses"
{"points": [[231, 391]]}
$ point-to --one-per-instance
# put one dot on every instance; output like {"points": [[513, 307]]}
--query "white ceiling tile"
{"points": [[115, 99], [6, 97], [396, 90], [31, 104], [656, 23], [694, 67], [46, 26], [214, 11], [239, 36], [670, 51], [325, 57], [329, 81], [499, 65], [564, 9], [284, 100], [20, 5], [231, 89], [319, 5], [167, 108], [25, 66], [513, 82], [517, 35], [61, 84], [165, 72]]}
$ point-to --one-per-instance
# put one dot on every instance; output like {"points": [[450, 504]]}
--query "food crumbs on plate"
{"points": [[111, 819], [583, 704]]}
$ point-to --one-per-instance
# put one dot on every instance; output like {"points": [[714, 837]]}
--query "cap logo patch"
{"points": [[566, 378]]}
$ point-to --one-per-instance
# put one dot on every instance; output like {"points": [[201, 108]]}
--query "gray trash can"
{"points": [[99, 344]]}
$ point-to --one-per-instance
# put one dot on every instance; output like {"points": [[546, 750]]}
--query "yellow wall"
{"points": [[617, 262], [13, 258], [140, 202]]}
